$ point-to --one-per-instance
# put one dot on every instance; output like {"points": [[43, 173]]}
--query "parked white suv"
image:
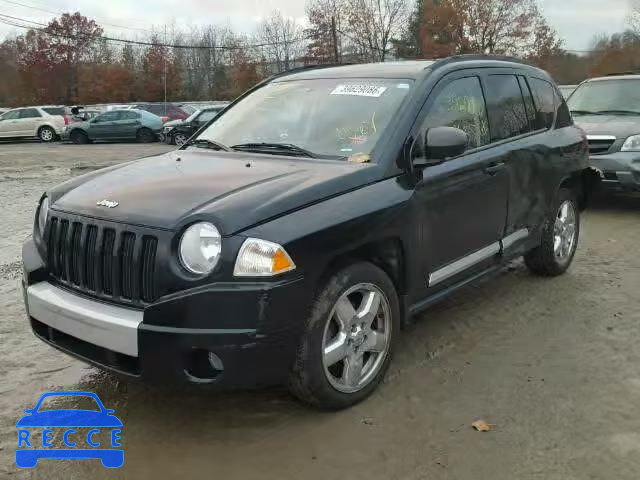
{"points": [[47, 122]]}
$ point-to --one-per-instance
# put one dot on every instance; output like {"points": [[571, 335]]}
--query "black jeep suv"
{"points": [[608, 109], [288, 241]]}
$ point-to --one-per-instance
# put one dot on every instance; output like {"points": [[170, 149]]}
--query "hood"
{"points": [[232, 190], [173, 123], [620, 126]]}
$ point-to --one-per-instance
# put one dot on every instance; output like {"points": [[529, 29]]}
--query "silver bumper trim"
{"points": [[108, 326]]}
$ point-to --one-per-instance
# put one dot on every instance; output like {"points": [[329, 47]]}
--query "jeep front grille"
{"points": [[110, 261]]}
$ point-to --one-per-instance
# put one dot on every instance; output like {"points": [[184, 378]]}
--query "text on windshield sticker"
{"points": [[359, 90]]}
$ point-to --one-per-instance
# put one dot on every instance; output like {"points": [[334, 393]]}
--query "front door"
{"points": [[103, 126], [9, 123], [463, 200]]}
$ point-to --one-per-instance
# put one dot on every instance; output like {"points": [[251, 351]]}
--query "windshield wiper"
{"points": [[204, 143], [618, 112], [275, 149], [584, 112]]}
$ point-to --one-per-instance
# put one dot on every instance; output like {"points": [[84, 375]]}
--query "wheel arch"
{"points": [[583, 183]]}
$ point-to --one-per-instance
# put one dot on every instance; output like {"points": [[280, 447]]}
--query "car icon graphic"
{"points": [[69, 418]]}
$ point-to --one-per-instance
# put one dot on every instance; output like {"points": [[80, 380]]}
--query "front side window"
{"points": [[543, 96], [207, 115], [108, 117], [328, 117], [12, 115], [461, 104], [30, 113], [615, 96], [507, 113]]}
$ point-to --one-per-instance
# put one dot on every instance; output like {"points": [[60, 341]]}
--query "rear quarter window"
{"points": [[54, 110], [544, 98]]}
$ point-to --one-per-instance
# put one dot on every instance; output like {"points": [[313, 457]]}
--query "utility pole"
{"points": [[334, 35], [165, 71]]}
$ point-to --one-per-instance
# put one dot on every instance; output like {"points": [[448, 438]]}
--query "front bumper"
{"points": [[233, 334], [620, 171]]}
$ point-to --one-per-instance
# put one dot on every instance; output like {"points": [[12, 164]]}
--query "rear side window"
{"points": [[507, 113], [460, 104], [29, 113], [54, 110], [528, 102], [157, 109], [543, 96]]}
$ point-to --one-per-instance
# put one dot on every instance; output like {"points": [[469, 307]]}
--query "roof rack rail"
{"points": [[483, 56], [617, 74]]}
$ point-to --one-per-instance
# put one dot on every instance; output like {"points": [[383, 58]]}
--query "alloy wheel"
{"points": [[356, 338]]}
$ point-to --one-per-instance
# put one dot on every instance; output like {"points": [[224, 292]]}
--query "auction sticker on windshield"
{"points": [[359, 90]]}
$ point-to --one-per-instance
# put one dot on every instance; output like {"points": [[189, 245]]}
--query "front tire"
{"points": [[348, 340], [559, 238], [180, 139], [46, 134]]}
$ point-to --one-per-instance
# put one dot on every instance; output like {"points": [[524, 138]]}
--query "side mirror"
{"points": [[439, 144]]}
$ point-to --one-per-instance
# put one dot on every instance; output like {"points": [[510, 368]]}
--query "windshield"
{"points": [[332, 117], [606, 96], [192, 116]]}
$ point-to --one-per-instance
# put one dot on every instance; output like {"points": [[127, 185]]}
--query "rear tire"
{"points": [[559, 238], [79, 137], [46, 134], [348, 338], [145, 135]]}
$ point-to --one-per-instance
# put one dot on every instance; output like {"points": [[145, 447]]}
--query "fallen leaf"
{"points": [[481, 426]]}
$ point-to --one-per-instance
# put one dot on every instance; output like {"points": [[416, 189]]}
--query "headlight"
{"points": [[200, 248], [260, 258], [631, 144], [43, 214]]}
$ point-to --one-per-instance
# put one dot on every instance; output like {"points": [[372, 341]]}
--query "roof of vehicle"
{"points": [[411, 69], [615, 77]]}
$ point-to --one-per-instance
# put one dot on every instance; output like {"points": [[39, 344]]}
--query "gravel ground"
{"points": [[552, 364]]}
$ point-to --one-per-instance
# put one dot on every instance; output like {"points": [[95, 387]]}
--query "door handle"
{"points": [[494, 168]]}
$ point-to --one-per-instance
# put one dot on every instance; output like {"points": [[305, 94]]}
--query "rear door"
{"points": [[103, 126], [29, 122], [519, 148], [128, 123]]}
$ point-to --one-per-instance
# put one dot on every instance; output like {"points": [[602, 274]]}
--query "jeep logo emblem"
{"points": [[107, 203]]}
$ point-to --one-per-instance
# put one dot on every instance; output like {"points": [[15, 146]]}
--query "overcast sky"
{"points": [[577, 21]]}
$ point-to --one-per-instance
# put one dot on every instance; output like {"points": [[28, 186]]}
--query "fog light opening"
{"points": [[203, 366]]}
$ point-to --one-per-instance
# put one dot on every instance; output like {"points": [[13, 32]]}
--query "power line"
{"points": [[11, 20], [59, 12]]}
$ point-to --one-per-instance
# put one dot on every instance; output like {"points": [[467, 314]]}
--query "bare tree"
{"points": [[326, 19], [283, 41], [374, 23], [634, 16]]}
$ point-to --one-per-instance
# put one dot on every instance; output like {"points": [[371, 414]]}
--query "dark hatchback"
{"points": [[608, 109], [289, 241], [181, 132]]}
